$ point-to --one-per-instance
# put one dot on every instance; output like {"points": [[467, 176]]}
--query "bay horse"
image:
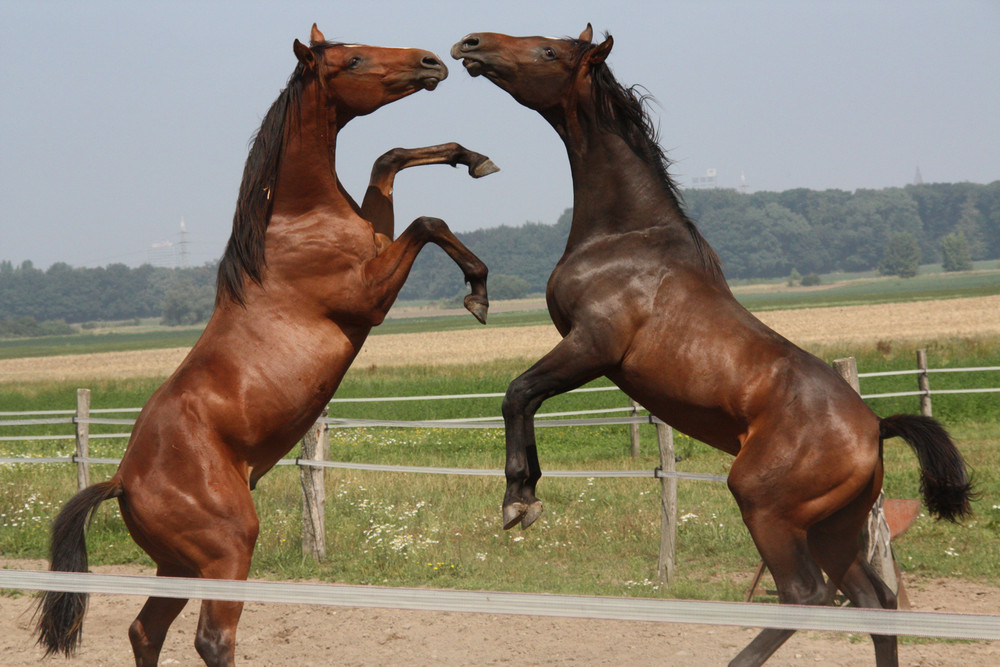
{"points": [[639, 297], [305, 276]]}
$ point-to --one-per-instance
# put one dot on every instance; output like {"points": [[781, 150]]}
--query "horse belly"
{"points": [[699, 419]]}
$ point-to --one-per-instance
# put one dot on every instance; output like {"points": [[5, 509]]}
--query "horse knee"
{"points": [[432, 227], [516, 400], [389, 161]]}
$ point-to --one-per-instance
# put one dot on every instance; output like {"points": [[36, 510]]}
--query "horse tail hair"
{"points": [[944, 480], [60, 615]]}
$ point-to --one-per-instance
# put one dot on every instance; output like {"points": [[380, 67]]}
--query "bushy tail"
{"points": [[60, 615], [944, 481]]}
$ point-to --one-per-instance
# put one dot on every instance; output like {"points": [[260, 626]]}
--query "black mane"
{"points": [[244, 255], [623, 111]]}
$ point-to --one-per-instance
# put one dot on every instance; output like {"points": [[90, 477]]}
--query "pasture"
{"points": [[411, 530]]}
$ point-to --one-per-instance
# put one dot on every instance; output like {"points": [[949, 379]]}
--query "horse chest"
{"points": [[602, 281]]}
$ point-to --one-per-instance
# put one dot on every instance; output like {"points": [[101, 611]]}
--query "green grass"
{"points": [[88, 343], [597, 536], [923, 287]]}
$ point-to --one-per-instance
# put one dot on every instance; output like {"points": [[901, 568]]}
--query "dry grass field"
{"points": [[913, 321]]}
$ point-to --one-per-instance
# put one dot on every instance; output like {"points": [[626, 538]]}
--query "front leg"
{"points": [[576, 360], [385, 274], [377, 205]]}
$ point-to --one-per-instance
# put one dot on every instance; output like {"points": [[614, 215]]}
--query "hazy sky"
{"points": [[121, 118]]}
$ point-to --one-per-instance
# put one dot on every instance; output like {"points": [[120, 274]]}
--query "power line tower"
{"points": [[918, 179], [184, 246]]}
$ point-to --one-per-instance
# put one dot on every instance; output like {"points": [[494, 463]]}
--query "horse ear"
{"points": [[316, 37], [304, 54], [588, 34], [600, 52]]}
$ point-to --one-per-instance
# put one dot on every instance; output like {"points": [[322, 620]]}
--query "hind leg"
{"points": [[778, 518], [231, 548], [839, 552], [799, 580], [216, 636], [212, 530], [149, 629]]}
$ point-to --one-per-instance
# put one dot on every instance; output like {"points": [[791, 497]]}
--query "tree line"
{"points": [[761, 235], [768, 235], [34, 302]]}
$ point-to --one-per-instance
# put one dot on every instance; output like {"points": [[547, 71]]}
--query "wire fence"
{"points": [[82, 419]]}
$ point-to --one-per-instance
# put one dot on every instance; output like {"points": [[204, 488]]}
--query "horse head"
{"points": [[357, 79], [541, 73]]}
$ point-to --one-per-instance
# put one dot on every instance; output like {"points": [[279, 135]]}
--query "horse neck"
{"points": [[307, 176], [615, 191]]}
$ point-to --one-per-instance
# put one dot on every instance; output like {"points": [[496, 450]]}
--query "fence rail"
{"points": [[792, 617]]}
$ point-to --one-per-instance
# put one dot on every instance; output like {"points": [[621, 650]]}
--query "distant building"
{"points": [[706, 182]]}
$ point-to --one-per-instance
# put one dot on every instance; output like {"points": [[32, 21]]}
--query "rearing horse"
{"points": [[639, 297], [306, 274]]}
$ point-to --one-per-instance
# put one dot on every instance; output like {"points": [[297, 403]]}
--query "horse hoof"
{"points": [[484, 168], [477, 306], [534, 511], [512, 514]]}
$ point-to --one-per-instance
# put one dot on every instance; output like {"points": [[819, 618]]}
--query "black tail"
{"points": [[944, 482], [60, 621]]}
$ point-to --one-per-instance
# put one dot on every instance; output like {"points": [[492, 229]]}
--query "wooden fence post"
{"points": [[634, 428], [875, 533], [923, 383], [668, 503], [315, 447], [82, 438]]}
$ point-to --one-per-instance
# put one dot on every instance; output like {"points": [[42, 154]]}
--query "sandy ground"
{"points": [[923, 320], [280, 634]]}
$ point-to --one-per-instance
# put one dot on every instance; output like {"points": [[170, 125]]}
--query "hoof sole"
{"points": [[478, 307], [484, 168], [533, 512]]}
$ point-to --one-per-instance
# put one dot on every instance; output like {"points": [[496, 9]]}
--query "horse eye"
{"points": [[549, 53], [353, 62]]}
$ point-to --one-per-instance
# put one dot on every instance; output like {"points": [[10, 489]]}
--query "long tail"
{"points": [[944, 481], [60, 615]]}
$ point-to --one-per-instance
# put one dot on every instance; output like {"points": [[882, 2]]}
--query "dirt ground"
{"points": [[922, 320], [278, 634]]}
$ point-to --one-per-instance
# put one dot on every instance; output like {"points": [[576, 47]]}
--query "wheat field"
{"points": [[807, 327]]}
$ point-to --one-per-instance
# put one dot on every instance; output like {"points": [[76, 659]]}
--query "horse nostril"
{"points": [[430, 61], [470, 42]]}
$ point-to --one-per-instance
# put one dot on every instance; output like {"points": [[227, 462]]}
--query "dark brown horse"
{"points": [[307, 273], [639, 297]]}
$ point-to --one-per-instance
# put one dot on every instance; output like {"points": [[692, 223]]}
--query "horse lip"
{"points": [[432, 76], [473, 67]]}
